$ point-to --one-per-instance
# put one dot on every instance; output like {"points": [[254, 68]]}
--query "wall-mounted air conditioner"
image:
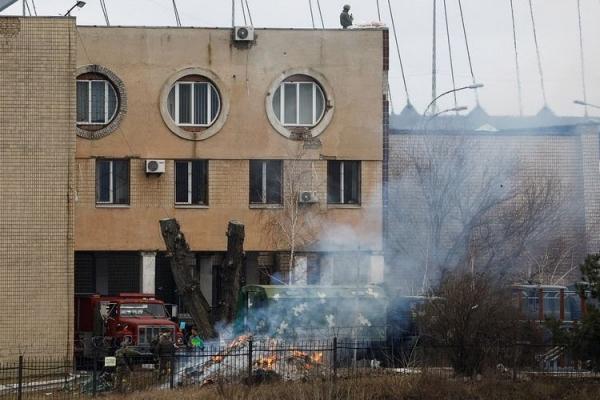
{"points": [[155, 166]]}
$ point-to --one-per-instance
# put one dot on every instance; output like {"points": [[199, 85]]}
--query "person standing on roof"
{"points": [[345, 17]]}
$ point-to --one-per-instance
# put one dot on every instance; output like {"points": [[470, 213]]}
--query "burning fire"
{"points": [[266, 362]]}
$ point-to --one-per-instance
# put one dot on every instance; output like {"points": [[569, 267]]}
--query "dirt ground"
{"points": [[389, 388]]}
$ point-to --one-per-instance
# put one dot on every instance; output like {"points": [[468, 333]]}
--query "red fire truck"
{"points": [[103, 322]]}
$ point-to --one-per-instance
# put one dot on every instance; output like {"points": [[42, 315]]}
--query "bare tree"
{"points": [[453, 202], [474, 319], [295, 226]]}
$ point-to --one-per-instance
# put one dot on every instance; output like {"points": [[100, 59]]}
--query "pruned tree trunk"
{"points": [[182, 263], [231, 270]]}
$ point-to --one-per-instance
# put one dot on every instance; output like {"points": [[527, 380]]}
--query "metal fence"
{"points": [[249, 360]]}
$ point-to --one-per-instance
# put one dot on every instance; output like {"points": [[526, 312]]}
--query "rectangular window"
{"points": [[266, 181], [343, 182], [112, 181], [191, 182]]}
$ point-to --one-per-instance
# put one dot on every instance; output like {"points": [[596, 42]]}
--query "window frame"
{"points": [[107, 119], [111, 184], [264, 179], [343, 201], [190, 180], [192, 84], [316, 88]]}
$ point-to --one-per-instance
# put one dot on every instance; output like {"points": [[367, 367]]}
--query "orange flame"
{"points": [[266, 362], [317, 357]]}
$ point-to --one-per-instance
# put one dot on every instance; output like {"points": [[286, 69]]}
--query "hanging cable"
{"points": [[514, 29], [105, 12], [243, 12], [450, 56], [176, 14], [378, 11], [34, 7], [434, 61], [537, 51], [249, 14], [320, 14], [27, 5], [462, 19], [581, 58], [312, 17], [398, 51]]}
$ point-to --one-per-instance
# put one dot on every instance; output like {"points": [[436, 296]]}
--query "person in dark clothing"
{"points": [[165, 349], [345, 17]]}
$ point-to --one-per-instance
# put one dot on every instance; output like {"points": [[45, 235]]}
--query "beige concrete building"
{"points": [[37, 147], [238, 128]]}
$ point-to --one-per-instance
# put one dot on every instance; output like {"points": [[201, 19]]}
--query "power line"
{"points": [[537, 51], [27, 5], [312, 16], [105, 12], [398, 51], [176, 14], [378, 11], [581, 58], [249, 13], [434, 60], [450, 56], [462, 19], [514, 30], [320, 14], [243, 12], [34, 7]]}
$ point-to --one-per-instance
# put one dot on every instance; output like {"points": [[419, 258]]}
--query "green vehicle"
{"points": [[346, 312]]}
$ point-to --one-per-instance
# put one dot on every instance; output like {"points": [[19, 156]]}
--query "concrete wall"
{"points": [[37, 146], [145, 58]]}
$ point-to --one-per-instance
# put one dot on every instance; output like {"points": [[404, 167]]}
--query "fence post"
{"points": [[20, 389], [95, 374], [250, 361], [172, 373], [334, 357]]}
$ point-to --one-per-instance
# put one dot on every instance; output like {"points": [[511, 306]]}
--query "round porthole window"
{"points": [[100, 101], [193, 104], [300, 103]]}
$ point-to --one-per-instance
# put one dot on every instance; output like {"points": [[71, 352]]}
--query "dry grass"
{"points": [[388, 388]]}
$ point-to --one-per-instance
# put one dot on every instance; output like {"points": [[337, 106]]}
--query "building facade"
{"points": [[37, 148], [536, 149], [237, 130]]}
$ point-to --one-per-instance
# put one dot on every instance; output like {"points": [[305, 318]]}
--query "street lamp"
{"points": [[457, 109], [583, 103], [79, 4], [473, 86]]}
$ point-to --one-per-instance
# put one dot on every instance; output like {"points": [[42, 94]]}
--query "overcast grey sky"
{"points": [[489, 31]]}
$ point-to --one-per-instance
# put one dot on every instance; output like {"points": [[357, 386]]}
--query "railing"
{"points": [[256, 360]]}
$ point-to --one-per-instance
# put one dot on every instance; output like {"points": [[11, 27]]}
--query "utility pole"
{"points": [[434, 61]]}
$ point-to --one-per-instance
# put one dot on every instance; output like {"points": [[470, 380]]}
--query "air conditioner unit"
{"points": [[155, 166], [243, 34], [308, 197]]}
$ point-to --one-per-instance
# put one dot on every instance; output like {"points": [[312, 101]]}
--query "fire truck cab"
{"points": [[104, 322]]}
